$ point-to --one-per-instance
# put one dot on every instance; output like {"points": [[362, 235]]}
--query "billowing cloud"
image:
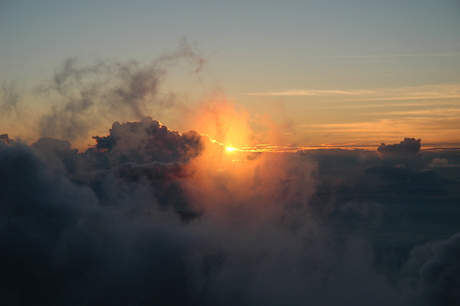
{"points": [[434, 269], [5, 138], [407, 148], [149, 215], [149, 141]]}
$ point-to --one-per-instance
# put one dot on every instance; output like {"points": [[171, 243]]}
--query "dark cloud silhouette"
{"points": [[148, 141], [440, 275], [5, 138], [50, 145], [60, 246], [434, 269], [152, 216], [407, 148]]}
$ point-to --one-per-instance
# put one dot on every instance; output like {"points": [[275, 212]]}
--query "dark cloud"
{"points": [[441, 162], [407, 181], [440, 275], [59, 246], [153, 216], [148, 141], [50, 145], [397, 203], [407, 148], [5, 138], [434, 269]]}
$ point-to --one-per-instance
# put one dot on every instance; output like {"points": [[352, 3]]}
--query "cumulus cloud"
{"points": [[149, 215], [434, 269], [148, 141], [60, 245], [5, 138], [409, 147]]}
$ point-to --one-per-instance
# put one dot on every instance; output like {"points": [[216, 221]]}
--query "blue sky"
{"points": [[361, 63]]}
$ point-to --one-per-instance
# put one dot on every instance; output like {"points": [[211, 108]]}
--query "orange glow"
{"points": [[234, 177], [222, 121]]}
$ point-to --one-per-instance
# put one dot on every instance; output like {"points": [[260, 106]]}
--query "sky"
{"points": [[347, 73], [230, 153]]}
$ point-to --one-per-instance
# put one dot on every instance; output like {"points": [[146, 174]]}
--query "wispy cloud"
{"points": [[439, 91], [433, 112], [430, 112], [389, 55], [386, 105], [313, 92]]}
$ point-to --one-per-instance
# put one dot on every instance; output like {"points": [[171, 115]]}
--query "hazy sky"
{"points": [[358, 72]]}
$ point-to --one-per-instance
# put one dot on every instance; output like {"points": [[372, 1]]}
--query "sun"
{"points": [[230, 149]]}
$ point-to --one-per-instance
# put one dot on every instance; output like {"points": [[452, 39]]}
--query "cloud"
{"points": [[409, 147], [153, 215], [432, 112], [430, 92], [314, 93], [59, 245], [441, 162], [9, 97], [391, 129], [50, 145], [5, 138], [82, 96], [391, 55], [387, 105], [433, 268], [148, 141]]}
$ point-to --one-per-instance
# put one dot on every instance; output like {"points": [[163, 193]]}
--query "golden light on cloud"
{"points": [[221, 120]]}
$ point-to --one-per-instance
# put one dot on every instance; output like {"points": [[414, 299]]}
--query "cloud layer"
{"points": [[149, 215]]}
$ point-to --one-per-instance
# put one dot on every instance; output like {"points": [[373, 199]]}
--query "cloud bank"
{"points": [[153, 216]]}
